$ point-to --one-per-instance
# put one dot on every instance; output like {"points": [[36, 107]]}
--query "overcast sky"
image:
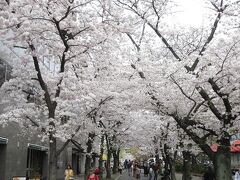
{"points": [[190, 12]]}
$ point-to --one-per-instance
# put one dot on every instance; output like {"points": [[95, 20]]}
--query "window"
{"points": [[35, 161]]}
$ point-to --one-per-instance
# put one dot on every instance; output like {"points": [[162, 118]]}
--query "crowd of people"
{"points": [[149, 169]]}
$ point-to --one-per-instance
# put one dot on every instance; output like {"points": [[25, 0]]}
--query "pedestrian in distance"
{"points": [[237, 175], [134, 167], [209, 174], [138, 171], [151, 173], [145, 169], [155, 169], [68, 173], [92, 175], [98, 171], [125, 164], [120, 168], [129, 166]]}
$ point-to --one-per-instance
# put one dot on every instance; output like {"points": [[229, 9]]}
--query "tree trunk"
{"points": [[222, 163], [166, 164], [173, 166], [186, 166], [118, 157], [101, 158], [52, 159], [88, 156], [166, 159], [88, 164], [115, 161], [93, 165], [109, 151], [157, 156], [108, 168]]}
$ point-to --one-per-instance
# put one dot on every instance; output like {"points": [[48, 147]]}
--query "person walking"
{"points": [[68, 173], [125, 164], [155, 169], [237, 175], [129, 166], [145, 169], [151, 173], [134, 169], [138, 171], [120, 168], [92, 175]]}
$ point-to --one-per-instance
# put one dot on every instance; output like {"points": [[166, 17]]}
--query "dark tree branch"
{"points": [[164, 40], [199, 141], [223, 96], [66, 14], [36, 124], [213, 108], [40, 79]]}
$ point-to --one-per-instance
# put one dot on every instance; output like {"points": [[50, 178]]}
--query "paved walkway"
{"points": [[81, 177], [125, 176]]}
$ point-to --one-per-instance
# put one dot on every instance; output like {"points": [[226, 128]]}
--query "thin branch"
{"points": [[82, 30], [36, 124], [133, 41], [209, 39], [226, 57], [33, 122], [187, 96], [156, 12], [164, 40]]}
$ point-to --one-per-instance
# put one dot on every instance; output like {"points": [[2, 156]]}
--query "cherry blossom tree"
{"points": [[195, 75], [50, 84]]}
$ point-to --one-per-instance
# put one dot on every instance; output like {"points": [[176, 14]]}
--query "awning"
{"points": [[234, 148], [37, 147], [3, 140]]}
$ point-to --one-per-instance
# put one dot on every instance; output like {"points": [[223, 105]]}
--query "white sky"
{"points": [[190, 12]]}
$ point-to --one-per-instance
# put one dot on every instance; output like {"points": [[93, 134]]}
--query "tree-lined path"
{"points": [[117, 76]]}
